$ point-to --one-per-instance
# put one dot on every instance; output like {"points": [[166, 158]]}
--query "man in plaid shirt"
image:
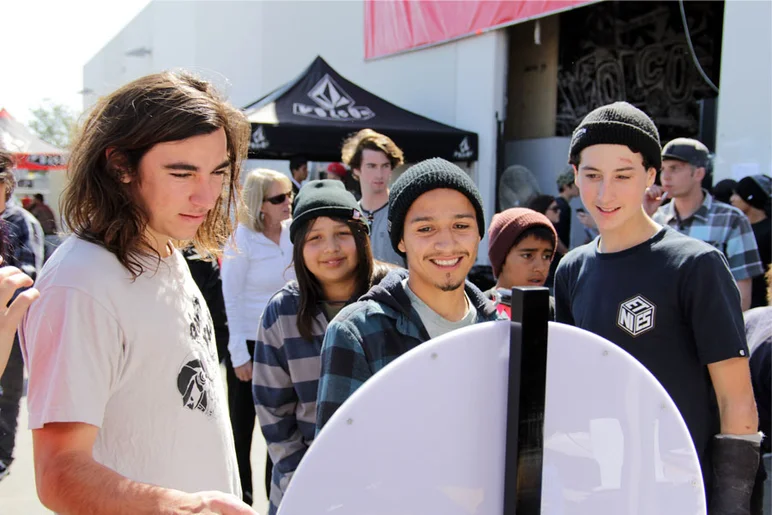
{"points": [[436, 222], [24, 249], [696, 213]]}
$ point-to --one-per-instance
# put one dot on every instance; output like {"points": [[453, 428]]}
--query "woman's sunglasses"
{"points": [[279, 199]]}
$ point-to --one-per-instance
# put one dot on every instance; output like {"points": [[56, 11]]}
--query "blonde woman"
{"points": [[256, 265]]}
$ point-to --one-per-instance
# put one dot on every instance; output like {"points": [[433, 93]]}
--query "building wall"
{"points": [[744, 140], [258, 46]]}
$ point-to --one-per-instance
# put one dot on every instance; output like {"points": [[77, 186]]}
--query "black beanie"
{"points": [[327, 197], [755, 190], [618, 124], [428, 175]]}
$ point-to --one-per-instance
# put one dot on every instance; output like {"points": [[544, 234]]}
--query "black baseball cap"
{"points": [[687, 150]]}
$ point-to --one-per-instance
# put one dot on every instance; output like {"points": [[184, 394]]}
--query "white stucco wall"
{"points": [[744, 139], [258, 46]]}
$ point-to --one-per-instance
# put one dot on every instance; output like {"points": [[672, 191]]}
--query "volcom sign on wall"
{"points": [[331, 103]]}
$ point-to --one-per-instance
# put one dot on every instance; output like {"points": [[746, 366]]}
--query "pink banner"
{"points": [[393, 26]]}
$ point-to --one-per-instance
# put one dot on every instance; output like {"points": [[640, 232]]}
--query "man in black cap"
{"points": [[436, 223], [666, 299], [752, 197], [695, 213]]}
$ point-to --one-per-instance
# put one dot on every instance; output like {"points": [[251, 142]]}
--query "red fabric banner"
{"points": [[393, 26]]}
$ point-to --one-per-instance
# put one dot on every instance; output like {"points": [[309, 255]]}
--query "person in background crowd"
{"points": [[257, 263], [372, 158], [11, 280], [336, 172], [758, 330], [437, 222], [548, 206], [667, 299], [334, 266], [127, 406], [694, 213], [298, 166], [45, 216], [43, 213], [521, 245], [25, 251], [567, 191], [752, 197], [724, 189]]}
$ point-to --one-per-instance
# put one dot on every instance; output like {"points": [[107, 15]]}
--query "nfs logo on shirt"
{"points": [[636, 315]]}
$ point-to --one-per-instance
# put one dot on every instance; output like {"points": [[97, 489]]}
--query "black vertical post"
{"points": [[524, 451]]}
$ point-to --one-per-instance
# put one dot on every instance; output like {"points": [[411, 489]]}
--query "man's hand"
{"points": [[219, 503], [653, 198], [11, 279], [244, 372]]}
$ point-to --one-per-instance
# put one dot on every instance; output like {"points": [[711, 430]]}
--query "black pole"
{"points": [[524, 451]]}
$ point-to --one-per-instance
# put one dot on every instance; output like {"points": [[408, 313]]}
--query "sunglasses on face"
{"points": [[555, 209], [278, 199]]}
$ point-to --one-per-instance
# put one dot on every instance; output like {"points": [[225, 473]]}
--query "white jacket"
{"points": [[253, 269]]}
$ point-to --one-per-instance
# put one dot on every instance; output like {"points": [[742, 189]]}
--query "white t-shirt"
{"points": [[253, 269], [135, 358]]}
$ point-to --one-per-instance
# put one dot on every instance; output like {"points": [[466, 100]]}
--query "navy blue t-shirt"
{"points": [[671, 303]]}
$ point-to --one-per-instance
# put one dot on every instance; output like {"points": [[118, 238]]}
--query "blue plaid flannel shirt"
{"points": [[723, 226], [24, 240], [371, 333]]}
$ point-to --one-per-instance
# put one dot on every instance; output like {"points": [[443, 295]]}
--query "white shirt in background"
{"points": [[253, 269]]}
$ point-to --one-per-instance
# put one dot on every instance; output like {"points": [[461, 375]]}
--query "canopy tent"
{"points": [[313, 114], [30, 152]]}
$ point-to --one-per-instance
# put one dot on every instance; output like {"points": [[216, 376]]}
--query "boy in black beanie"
{"points": [[667, 299], [436, 222]]}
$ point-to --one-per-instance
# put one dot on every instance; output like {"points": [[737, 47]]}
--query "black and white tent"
{"points": [[313, 114]]}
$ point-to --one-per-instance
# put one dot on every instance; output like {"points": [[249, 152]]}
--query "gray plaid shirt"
{"points": [[723, 226]]}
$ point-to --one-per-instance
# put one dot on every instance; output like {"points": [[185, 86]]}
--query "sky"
{"points": [[45, 45]]}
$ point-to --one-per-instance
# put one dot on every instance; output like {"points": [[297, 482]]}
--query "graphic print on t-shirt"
{"points": [[195, 380], [636, 315]]}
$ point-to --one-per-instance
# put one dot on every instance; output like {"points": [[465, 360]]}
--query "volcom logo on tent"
{"points": [[636, 315], [332, 103], [259, 141], [464, 149]]}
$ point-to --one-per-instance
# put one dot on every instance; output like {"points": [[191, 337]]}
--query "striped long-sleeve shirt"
{"points": [[284, 384]]}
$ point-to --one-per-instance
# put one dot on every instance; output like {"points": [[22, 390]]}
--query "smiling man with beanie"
{"points": [[436, 223], [667, 299], [521, 246]]}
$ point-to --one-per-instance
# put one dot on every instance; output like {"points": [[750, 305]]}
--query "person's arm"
{"points": [[731, 380], [276, 400], [234, 270], [742, 253], [70, 481], [563, 296], [12, 279], [344, 370], [746, 287]]}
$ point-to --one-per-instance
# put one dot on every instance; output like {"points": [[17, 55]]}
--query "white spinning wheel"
{"points": [[426, 435]]}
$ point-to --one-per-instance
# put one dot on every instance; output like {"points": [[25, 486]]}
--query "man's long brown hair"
{"points": [[100, 207]]}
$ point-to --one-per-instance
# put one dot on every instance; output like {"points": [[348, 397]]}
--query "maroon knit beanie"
{"points": [[507, 226]]}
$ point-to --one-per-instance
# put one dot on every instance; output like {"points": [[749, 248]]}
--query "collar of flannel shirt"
{"points": [[701, 213]]}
